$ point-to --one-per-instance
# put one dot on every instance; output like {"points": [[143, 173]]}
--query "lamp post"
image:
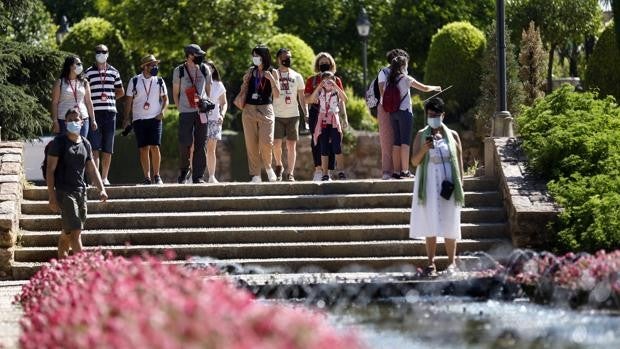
{"points": [[63, 29], [502, 120], [363, 29]]}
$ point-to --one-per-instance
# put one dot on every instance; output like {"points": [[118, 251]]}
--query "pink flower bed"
{"points": [[94, 300]]}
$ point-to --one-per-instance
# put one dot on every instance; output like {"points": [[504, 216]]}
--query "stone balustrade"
{"points": [[11, 177]]}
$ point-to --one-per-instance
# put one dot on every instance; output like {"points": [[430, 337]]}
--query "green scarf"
{"points": [[458, 188]]}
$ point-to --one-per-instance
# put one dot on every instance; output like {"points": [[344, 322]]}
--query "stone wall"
{"points": [[530, 208], [11, 175]]}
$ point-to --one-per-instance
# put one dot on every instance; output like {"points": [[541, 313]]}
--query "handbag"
{"points": [[239, 101], [447, 187]]}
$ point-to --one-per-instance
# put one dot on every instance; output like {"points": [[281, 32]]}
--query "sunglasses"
{"points": [[78, 63], [101, 51]]}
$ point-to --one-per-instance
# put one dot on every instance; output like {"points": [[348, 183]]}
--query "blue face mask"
{"points": [[434, 122], [74, 127]]}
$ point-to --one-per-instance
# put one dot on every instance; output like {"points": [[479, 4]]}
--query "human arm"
{"points": [[176, 86], [128, 104], [419, 149], [274, 80], [54, 107], [164, 106], [89, 107], [459, 153], [223, 107], [420, 86], [52, 163], [91, 169], [301, 96]]}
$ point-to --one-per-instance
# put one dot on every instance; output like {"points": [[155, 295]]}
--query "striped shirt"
{"points": [[102, 86]]}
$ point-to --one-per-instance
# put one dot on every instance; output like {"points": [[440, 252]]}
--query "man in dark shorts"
{"points": [[147, 99], [67, 158]]}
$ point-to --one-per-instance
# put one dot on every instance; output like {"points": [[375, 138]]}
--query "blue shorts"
{"points": [[402, 122], [102, 139], [330, 141], [62, 126], [148, 132]]}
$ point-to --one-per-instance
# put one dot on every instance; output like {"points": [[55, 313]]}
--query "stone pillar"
{"points": [[11, 176]]}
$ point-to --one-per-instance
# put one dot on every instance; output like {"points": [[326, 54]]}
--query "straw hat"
{"points": [[148, 59]]}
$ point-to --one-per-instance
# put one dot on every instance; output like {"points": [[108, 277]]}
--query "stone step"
{"points": [[25, 270], [368, 186], [251, 203], [252, 234], [255, 218], [353, 249]]}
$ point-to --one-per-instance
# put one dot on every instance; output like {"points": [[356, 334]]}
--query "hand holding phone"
{"points": [[429, 139]]}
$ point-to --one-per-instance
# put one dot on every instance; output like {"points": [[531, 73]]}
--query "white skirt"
{"points": [[438, 217]]}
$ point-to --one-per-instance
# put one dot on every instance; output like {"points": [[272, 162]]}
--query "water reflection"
{"points": [[450, 322]]}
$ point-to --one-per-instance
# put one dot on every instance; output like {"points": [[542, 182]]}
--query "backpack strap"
{"points": [[135, 83], [160, 82]]}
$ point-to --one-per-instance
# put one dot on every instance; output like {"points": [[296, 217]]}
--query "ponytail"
{"points": [[396, 67]]}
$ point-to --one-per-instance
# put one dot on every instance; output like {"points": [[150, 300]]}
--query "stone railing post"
{"points": [[11, 177]]}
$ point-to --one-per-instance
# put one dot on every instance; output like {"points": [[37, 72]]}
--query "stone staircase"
{"points": [[301, 226]]}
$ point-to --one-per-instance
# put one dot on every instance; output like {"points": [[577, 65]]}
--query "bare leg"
{"points": [[76, 241], [431, 246], [396, 158], [155, 159], [340, 161], [96, 158], [450, 250], [211, 144], [404, 157], [277, 151], [145, 162], [291, 155], [324, 164], [106, 160], [63, 245]]}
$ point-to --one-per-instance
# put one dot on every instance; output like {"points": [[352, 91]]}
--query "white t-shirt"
{"points": [[217, 89], [404, 86], [146, 87], [287, 105]]}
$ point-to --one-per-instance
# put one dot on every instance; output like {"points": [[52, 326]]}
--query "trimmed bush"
{"points": [[603, 70], [454, 59], [90, 32], [302, 55], [573, 139], [357, 113]]}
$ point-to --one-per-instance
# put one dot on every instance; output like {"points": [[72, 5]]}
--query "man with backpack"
{"points": [[191, 86], [66, 159], [147, 99]]}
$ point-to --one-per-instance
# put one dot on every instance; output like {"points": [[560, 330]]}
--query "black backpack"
{"points": [[160, 82], [203, 70], [63, 143]]}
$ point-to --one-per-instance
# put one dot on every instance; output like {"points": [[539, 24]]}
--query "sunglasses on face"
{"points": [[78, 63], [101, 51]]}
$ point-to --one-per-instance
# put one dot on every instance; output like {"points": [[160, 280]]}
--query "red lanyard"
{"points": [[105, 75], [148, 92], [74, 90]]}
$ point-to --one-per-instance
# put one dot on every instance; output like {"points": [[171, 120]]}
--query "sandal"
{"points": [[342, 176], [325, 178], [430, 271]]}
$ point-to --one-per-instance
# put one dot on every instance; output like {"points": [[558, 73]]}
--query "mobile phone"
{"points": [[430, 139]]}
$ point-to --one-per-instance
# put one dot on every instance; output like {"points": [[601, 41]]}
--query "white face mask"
{"points": [[257, 60], [101, 57], [434, 122], [78, 69]]}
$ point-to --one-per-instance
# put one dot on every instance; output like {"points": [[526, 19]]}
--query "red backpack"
{"points": [[391, 97]]}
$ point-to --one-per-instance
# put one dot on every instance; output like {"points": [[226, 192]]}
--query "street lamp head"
{"points": [[63, 29], [363, 24]]}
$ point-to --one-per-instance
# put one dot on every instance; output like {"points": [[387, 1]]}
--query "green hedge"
{"points": [[454, 59], [573, 139], [357, 112], [603, 70], [302, 55]]}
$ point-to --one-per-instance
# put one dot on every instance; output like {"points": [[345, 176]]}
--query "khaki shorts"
{"points": [[286, 127], [72, 209]]}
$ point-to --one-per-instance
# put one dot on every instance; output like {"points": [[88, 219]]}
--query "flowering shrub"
{"points": [[93, 300]]}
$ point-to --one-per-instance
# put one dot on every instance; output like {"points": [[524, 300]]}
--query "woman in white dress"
{"points": [[438, 157]]}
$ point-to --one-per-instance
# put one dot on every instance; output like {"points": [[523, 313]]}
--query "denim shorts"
{"points": [[148, 132], [402, 123], [102, 139]]}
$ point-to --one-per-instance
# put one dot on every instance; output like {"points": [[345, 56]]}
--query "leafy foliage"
{"points": [[454, 59], [27, 21], [26, 78], [533, 64], [88, 33], [357, 112], [302, 54], [487, 103], [603, 71], [573, 139], [59, 8]]}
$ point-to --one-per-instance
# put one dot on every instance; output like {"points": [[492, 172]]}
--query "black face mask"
{"points": [[286, 62], [324, 67], [198, 59]]}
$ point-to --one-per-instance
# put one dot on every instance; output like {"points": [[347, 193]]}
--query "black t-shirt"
{"points": [[69, 174], [260, 88]]}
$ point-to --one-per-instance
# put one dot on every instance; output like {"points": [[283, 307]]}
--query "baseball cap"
{"points": [[194, 49]]}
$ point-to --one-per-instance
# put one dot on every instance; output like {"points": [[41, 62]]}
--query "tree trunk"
{"points": [[550, 70], [573, 61]]}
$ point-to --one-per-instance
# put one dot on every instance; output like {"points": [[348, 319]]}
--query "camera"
{"points": [[205, 105], [127, 130]]}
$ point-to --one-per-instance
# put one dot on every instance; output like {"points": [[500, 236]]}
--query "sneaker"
{"points": [[278, 171], [317, 176], [271, 176], [289, 177], [146, 181], [198, 181], [184, 177], [342, 176], [396, 176], [212, 179], [386, 176], [105, 181], [157, 180], [406, 174], [256, 179], [452, 269], [325, 178]]}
